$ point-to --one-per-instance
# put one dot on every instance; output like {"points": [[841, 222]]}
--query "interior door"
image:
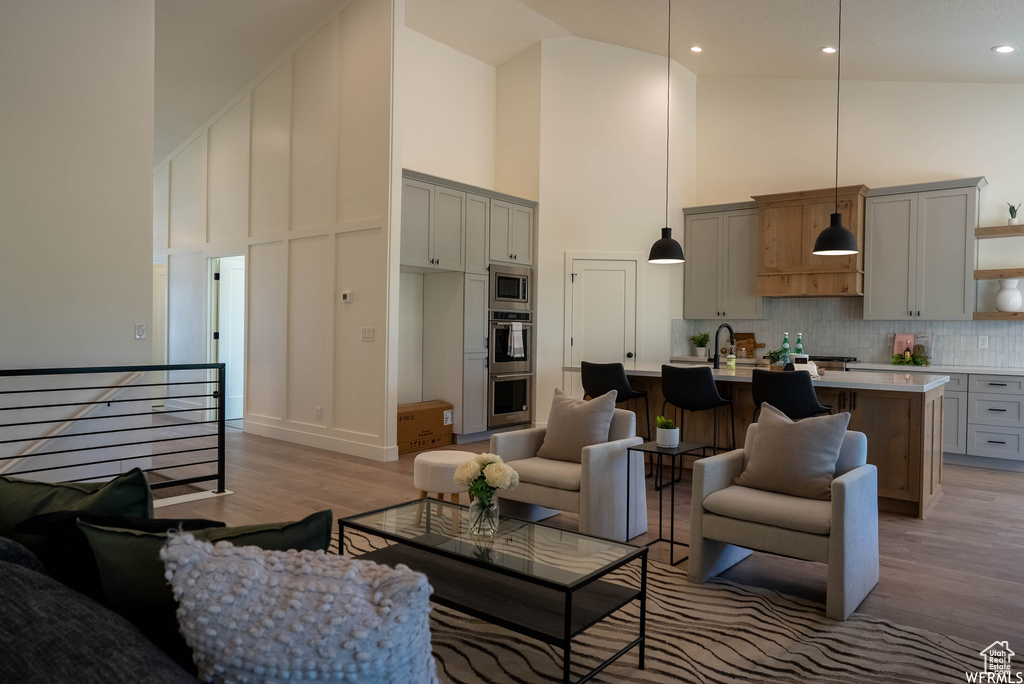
{"points": [[603, 311], [231, 326]]}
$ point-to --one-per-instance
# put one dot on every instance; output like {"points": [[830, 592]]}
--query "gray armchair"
{"points": [[594, 486], [727, 521]]}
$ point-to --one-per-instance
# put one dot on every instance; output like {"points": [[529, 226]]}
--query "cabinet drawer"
{"points": [[957, 382], [997, 384], [995, 409], [995, 442]]}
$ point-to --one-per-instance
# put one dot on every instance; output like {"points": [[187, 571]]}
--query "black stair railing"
{"points": [[91, 424]]}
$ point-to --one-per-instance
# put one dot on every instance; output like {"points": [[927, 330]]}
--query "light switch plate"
{"points": [[982, 341], [140, 332], [367, 334]]}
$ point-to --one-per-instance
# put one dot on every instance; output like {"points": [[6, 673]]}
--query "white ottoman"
{"points": [[434, 472]]}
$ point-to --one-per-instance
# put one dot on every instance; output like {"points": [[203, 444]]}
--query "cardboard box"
{"points": [[424, 425]]}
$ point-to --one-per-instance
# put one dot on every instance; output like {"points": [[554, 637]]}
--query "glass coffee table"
{"points": [[540, 581]]}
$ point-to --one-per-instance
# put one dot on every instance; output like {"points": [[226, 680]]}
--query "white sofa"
{"points": [[594, 487], [727, 521]]}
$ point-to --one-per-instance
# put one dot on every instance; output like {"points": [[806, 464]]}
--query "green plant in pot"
{"points": [[774, 356], [1013, 213], [700, 343], [667, 432]]}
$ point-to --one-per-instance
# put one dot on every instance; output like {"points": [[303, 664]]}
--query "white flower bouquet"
{"points": [[484, 475]]}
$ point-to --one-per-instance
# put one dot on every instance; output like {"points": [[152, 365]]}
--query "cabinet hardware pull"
{"points": [[918, 313], [1000, 410], [910, 313], [997, 384], [992, 441]]}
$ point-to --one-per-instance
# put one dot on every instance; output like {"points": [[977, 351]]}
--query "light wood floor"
{"points": [[960, 572]]}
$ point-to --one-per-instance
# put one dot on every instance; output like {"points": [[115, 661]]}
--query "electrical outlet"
{"points": [[319, 413], [140, 332], [982, 341], [367, 334]]}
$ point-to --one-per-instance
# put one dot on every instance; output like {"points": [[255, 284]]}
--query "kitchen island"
{"points": [[901, 414]]}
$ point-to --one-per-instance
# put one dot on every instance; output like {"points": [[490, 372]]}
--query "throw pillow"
{"points": [[66, 552], [13, 552], [270, 616], [795, 458], [574, 424], [128, 495], [132, 573]]}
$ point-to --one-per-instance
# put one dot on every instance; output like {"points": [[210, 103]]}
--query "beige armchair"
{"points": [[728, 520], [594, 487]]}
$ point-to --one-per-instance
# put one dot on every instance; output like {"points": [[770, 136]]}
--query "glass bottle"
{"points": [[799, 343], [785, 348]]}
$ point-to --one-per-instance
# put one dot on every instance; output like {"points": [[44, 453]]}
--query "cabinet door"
{"points": [[417, 217], [889, 420], [477, 209], [817, 217], [701, 275], [954, 423], [738, 281], [500, 230], [449, 236], [890, 287], [521, 242], [945, 254], [475, 326], [474, 394], [780, 238]]}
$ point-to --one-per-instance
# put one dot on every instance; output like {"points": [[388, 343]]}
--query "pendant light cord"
{"points": [[668, 106], [839, 75]]}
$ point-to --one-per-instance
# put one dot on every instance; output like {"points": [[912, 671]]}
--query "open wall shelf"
{"points": [[999, 273], [999, 232], [998, 316]]}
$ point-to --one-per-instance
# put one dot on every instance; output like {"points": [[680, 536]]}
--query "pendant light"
{"points": [[666, 250], [837, 240]]}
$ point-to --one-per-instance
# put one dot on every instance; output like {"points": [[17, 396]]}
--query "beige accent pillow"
{"points": [[796, 458], [574, 424]]}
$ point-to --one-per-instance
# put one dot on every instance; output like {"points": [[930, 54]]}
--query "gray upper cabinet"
{"points": [[920, 253], [720, 272], [511, 233], [433, 226], [478, 210]]}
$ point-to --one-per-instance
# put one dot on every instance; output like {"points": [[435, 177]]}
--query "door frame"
{"points": [[567, 310], [213, 318]]}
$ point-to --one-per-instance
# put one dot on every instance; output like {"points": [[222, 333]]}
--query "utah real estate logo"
{"points": [[997, 658]]}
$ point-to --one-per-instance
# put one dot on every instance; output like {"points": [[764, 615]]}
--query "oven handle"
{"points": [[510, 376]]}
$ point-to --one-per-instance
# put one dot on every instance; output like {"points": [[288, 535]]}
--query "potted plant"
{"points": [[700, 343], [483, 475], [1013, 214], [667, 433], [774, 356]]}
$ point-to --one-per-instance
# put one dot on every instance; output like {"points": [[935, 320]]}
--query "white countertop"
{"points": [[986, 370], [863, 380]]}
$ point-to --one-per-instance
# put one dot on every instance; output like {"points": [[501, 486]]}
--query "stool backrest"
{"points": [[691, 389], [790, 392], [602, 378]]}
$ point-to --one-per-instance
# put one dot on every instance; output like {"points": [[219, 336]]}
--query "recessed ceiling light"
{"points": [[696, 48], [1004, 49], [829, 50]]}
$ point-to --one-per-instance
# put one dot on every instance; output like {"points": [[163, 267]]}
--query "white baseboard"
{"points": [[984, 462], [372, 452]]}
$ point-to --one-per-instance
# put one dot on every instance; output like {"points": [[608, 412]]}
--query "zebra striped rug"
{"points": [[718, 632]]}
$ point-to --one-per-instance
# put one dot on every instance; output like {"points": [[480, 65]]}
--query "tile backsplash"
{"points": [[835, 326]]}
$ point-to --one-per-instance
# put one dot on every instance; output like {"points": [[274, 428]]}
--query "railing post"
{"points": [[221, 413]]}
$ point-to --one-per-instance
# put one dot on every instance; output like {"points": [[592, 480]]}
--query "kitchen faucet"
{"points": [[732, 340]]}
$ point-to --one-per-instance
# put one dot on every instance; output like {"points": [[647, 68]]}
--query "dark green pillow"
{"points": [[126, 495], [133, 579]]}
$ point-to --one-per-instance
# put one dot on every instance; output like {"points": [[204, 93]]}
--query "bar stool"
{"points": [[601, 378], [791, 392], [694, 389]]}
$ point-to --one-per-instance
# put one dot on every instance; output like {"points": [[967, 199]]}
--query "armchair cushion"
{"points": [[549, 473], [796, 458], [574, 424], [770, 508]]}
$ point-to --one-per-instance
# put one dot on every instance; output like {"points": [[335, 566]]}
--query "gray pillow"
{"points": [[795, 458], [574, 424]]}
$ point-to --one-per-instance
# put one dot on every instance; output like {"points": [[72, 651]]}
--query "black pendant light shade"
{"points": [[666, 250], [835, 240]]}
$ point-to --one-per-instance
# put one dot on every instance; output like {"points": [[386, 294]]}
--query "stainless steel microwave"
{"points": [[511, 289]]}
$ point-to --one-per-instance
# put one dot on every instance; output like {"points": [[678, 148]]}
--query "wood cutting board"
{"points": [[748, 342]]}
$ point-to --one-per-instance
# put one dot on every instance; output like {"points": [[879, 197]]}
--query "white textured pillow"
{"points": [[251, 615]]}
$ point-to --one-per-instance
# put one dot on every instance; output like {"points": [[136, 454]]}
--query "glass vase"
{"points": [[483, 518]]}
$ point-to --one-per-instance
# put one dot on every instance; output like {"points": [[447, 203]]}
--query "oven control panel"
{"points": [[522, 316]]}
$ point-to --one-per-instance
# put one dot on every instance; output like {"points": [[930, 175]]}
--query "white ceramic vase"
{"points": [[668, 438], [1008, 298], [1011, 222], [702, 352]]}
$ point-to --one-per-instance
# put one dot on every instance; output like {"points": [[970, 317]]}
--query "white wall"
{"points": [[76, 141], [295, 172], [760, 136], [449, 119], [517, 141], [602, 183]]}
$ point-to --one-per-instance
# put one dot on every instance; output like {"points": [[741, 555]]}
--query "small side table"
{"points": [[673, 453]]}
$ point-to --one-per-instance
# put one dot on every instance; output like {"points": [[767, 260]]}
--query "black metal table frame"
{"points": [[671, 539], [565, 643]]}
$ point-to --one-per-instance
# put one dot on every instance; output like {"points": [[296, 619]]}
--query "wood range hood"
{"points": [[788, 224]]}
